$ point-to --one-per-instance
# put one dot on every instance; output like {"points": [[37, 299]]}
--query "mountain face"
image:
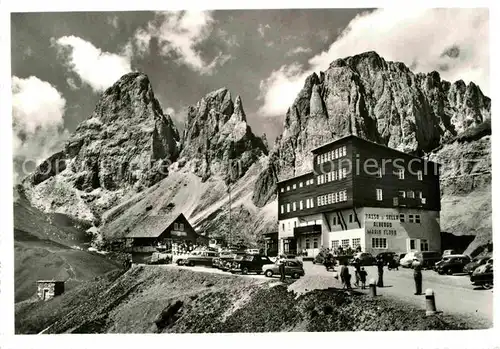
{"points": [[126, 144], [217, 139], [374, 99]]}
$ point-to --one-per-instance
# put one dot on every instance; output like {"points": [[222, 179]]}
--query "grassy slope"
{"points": [[134, 302], [42, 250], [201, 203]]}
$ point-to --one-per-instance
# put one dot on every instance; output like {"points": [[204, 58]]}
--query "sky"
{"points": [[62, 62]]}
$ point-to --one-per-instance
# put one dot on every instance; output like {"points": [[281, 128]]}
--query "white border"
{"points": [[431, 339]]}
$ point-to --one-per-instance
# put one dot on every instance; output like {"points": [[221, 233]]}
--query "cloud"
{"points": [[72, 84], [424, 39], [37, 122], [262, 29], [94, 67], [297, 51], [229, 40], [179, 33]]}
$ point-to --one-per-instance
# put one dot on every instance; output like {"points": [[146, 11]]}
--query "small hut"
{"points": [[48, 289]]}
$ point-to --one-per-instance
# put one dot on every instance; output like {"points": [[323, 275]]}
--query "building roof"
{"points": [[302, 175], [371, 142], [153, 226]]}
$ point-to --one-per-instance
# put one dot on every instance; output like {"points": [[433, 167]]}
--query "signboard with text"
{"points": [[381, 224]]}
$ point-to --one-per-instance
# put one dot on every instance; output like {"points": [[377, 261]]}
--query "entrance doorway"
{"points": [[45, 294]]}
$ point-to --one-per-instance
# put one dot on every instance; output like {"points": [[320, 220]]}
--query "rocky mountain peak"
{"points": [[125, 145], [217, 140], [375, 99]]}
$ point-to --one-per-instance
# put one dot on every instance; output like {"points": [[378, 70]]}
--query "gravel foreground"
{"points": [[155, 299]]}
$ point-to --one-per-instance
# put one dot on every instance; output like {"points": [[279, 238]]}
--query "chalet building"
{"points": [[48, 289], [163, 231], [361, 193]]}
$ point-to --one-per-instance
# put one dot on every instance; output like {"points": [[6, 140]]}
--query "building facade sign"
{"points": [[381, 224]]}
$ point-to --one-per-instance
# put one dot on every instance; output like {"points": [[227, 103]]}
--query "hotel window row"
{"points": [[412, 218], [332, 198], [400, 173], [410, 194], [379, 243], [309, 204], [345, 243], [339, 174], [294, 186], [332, 155]]}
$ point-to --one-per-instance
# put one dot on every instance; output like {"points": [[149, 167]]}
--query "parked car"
{"points": [[249, 263], [180, 259], [476, 262], [365, 258], [483, 275], [386, 256], [449, 252], [428, 259], [201, 258], [252, 251], [452, 264], [399, 257], [407, 260], [292, 268]]}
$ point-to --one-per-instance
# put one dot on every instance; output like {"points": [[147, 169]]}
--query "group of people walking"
{"points": [[361, 275]]}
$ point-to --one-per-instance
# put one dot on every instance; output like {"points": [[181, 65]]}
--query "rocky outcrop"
{"points": [[375, 99], [125, 145], [217, 140]]}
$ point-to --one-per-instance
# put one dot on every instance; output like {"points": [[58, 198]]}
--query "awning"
{"points": [[307, 230]]}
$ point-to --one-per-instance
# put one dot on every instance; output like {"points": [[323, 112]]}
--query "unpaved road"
{"points": [[454, 294]]}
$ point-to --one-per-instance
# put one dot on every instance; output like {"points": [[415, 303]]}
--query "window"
{"points": [[317, 160], [424, 245], [345, 150], [379, 243], [329, 177], [344, 172], [319, 201], [345, 243], [402, 217], [307, 203], [410, 218], [350, 218], [418, 194], [315, 243], [329, 156], [412, 244], [379, 194], [411, 194], [335, 244], [181, 226], [312, 203], [295, 186], [417, 218], [295, 224], [176, 226], [287, 207], [356, 242], [294, 206], [283, 226], [282, 190], [282, 209], [335, 197], [287, 188], [301, 205], [402, 194], [340, 173], [308, 244], [334, 220], [401, 173], [419, 175], [301, 184]]}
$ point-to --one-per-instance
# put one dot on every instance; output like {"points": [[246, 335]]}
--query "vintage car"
{"points": [[476, 262], [452, 264], [364, 258], [387, 257], [249, 263], [292, 268], [201, 258], [483, 275]]}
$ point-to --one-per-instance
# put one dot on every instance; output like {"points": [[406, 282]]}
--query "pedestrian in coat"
{"points": [[362, 276], [281, 267], [380, 269], [357, 269], [417, 276], [345, 277]]}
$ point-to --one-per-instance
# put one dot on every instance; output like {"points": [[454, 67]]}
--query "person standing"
{"points": [[281, 267], [344, 275], [417, 276], [362, 276], [357, 269], [380, 269]]}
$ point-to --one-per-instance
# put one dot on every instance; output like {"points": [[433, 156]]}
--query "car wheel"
{"points": [[487, 286], [314, 262], [244, 271], [190, 264], [268, 273], [295, 275], [180, 262], [449, 271]]}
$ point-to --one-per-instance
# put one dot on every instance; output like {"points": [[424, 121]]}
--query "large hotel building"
{"points": [[361, 193]]}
